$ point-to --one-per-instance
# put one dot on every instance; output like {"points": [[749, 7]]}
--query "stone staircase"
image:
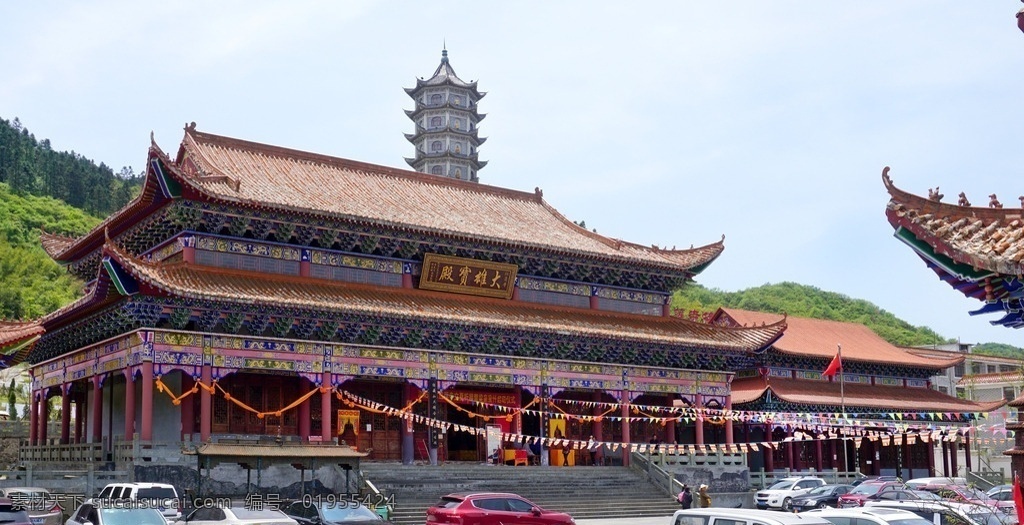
{"points": [[583, 492]]}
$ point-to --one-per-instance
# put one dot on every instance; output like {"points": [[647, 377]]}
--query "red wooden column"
{"points": [[698, 425], [65, 414], [931, 456], [967, 451], [147, 401], [129, 405], [44, 417], [326, 414], [817, 454], [625, 428], [769, 451], [790, 457], [670, 425], [33, 419], [188, 408], [97, 409], [597, 427], [205, 404], [409, 393], [304, 419], [80, 411]]}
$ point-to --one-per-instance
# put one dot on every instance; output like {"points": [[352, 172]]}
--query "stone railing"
{"points": [[82, 482], [699, 460], [55, 452]]}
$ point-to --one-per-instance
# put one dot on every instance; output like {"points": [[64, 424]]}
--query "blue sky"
{"points": [[668, 123]]}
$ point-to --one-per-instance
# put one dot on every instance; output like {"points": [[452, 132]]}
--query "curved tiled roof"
{"points": [[986, 238], [14, 332], [819, 338], [889, 398], [444, 74], [234, 286], [258, 175]]}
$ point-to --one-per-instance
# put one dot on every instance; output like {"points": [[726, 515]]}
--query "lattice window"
{"points": [[554, 298], [629, 307], [355, 275]]}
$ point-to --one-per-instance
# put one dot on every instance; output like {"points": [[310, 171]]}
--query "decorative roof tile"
{"points": [[819, 338], [259, 175], [890, 398], [234, 286], [989, 238]]}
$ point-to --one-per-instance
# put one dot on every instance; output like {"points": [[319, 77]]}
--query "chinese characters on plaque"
{"points": [[468, 276]]}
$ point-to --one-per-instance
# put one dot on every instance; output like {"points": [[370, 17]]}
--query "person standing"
{"points": [[685, 497], [703, 497]]}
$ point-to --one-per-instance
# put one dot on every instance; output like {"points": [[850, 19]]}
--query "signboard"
{"points": [[468, 276]]}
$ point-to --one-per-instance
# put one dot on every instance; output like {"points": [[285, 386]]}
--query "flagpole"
{"points": [[842, 404]]}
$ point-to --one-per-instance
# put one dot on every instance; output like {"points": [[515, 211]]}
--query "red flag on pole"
{"points": [[834, 367], [1018, 499]]}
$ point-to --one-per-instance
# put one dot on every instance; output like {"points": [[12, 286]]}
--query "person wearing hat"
{"points": [[685, 498], [703, 497]]}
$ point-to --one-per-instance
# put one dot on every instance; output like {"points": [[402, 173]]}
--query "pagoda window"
{"points": [[436, 122], [437, 170], [457, 124], [458, 148], [436, 145], [458, 173], [436, 98]]}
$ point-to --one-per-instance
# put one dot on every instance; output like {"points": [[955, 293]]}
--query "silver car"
{"points": [[42, 507]]}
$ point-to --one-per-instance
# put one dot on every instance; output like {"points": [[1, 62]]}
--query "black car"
{"points": [[821, 497], [309, 512]]}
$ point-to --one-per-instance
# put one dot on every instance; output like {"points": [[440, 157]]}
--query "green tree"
{"points": [[12, 392]]}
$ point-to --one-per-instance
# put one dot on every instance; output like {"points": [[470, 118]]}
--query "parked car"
{"points": [[728, 516], [917, 483], [866, 479], [870, 516], [333, 513], [1000, 493], [236, 515], [160, 496], [820, 497], [98, 513], [781, 494], [42, 507], [492, 508], [948, 512], [963, 494], [860, 494], [12, 514]]}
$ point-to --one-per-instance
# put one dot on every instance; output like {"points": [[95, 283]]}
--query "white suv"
{"points": [[780, 495], [159, 496]]}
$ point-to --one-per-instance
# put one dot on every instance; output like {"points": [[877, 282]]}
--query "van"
{"points": [[723, 516], [160, 496]]}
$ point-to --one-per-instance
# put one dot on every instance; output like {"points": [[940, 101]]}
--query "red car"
{"points": [[861, 493], [492, 508], [962, 494]]}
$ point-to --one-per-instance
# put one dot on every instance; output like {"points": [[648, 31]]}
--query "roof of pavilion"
{"points": [[886, 398], [819, 338], [263, 177], [180, 279], [979, 251], [16, 339], [444, 74], [992, 378]]}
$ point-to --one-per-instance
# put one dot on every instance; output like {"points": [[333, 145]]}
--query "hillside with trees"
{"points": [[32, 167], [807, 301]]}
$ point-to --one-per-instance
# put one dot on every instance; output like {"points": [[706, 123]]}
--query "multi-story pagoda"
{"points": [[880, 403], [977, 250], [252, 290], [445, 120]]}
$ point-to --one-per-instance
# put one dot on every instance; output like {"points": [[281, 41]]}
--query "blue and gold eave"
{"points": [[158, 189], [119, 277]]}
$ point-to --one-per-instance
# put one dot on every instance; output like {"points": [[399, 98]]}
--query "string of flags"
{"points": [[827, 425]]}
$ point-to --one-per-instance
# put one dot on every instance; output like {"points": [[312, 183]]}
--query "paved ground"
{"points": [[664, 520]]}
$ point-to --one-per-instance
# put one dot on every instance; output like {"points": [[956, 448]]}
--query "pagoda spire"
{"points": [[445, 122]]}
